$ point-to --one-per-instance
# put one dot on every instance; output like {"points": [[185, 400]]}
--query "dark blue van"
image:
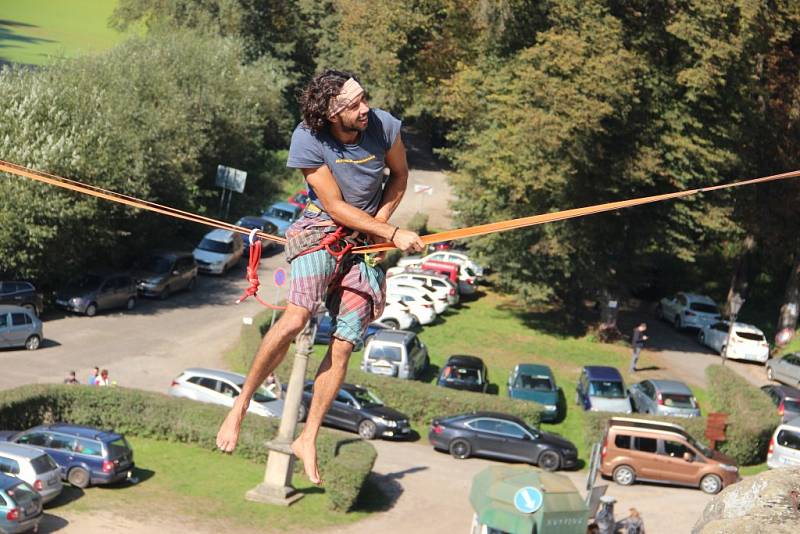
{"points": [[601, 389], [85, 455]]}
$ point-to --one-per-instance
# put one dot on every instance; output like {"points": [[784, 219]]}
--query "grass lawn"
{"points": [[207, 487], [35, 31]]}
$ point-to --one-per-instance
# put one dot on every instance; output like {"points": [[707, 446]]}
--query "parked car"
{"points": [[21, 294], [450, 256], [465, 277], [784, 447], [430, 278], [325, 329], [422, 292], [20, 506], [747, 341], [162, 273], [85, 455], [299, 198], [534, 382], [419, 305], [398, 316], [786, 399], [663, 397], [98, 291], [259, 223], [786, 369], [19, 328], [218, 251], [639, 449], [503, 436], [34, 466], [602, 389], [222, 387], [438, 295], [282, 215], [464, 372], [358, 409], [688, 310], [395, 353]]}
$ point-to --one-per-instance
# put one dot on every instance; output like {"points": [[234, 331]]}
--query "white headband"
{"points": [[351, 91]]}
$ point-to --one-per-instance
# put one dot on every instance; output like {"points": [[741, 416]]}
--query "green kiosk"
{"points": [[526, 500]]}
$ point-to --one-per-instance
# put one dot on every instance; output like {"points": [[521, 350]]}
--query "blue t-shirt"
{"points": [[358, 168]]}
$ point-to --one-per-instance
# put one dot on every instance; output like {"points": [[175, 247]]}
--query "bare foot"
{"points": [[228, 433], [307, 452]]}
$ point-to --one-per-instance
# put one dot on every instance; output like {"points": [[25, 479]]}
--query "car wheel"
{"points": [[624, 475], [460, 448], [391, 323], [367, 429], [302, 413], [33, 342], [770, 374], [78, 477], [91, 309], [549, 460], [131, 304], [711, 484], [165, 294]]}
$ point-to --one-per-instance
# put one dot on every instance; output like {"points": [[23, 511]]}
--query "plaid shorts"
{"points": [[354, 294]]}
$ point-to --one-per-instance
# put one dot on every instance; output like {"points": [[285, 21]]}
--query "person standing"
{"points": [[93, 377], [102, 380], [71, 379], [342, 147], [637, 342], [633, 524]]}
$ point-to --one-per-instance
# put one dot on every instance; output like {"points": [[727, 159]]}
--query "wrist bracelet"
{"points": [[396, 228]]}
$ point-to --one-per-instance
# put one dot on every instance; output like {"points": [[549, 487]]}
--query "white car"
{"points": [[688, 310], [397, 315], [747, 341], [218, 251], [419, 305], [443, 255], [222, 387], [441, 284], [397, 284]]}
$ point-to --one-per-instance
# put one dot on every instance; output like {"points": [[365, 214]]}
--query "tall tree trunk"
{"points": [[787, 317], [739, 281]]}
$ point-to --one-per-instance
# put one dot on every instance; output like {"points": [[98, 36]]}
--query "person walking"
{"points": [[637, 342], [342, 147]]}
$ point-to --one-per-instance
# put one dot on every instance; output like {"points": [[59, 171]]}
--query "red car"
{"points": [[299, 199]]}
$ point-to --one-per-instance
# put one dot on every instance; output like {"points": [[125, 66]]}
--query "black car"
{"points": [[21, 294], [357, 409], [786, 399], [502, 436], [464, 372]]}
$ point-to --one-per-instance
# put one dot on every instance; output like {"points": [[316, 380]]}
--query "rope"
{"points": [[252, 275]]}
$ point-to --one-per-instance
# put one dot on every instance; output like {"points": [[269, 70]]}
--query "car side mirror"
{"points": [[689, 457]]}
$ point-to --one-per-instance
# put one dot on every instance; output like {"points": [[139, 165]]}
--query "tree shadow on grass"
{"points": [[430, 373], [10, 38], [67, 495], [552, 320]]}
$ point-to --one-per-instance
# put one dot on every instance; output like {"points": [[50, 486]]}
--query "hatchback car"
{"points": [[395, 353], [784, 447], [98, 291], [162, 273], [397, 315], [259, 223], [84, 454], [222, 387], [533, 382], [282, 215], [422, 293], [747, 341], [19, 328], [502, 436], [437, 281], [450, 256], [21, 294], [34, 466], [218, 251], [663, 397], [20, 506], [358, 409], [688, 310], [602, 389], [786, 399], [464, 372], [419, 305], [786, 369]]}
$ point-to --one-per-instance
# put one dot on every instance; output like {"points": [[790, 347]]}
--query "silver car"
{"points": [[786, 369], [222, 387], [34, 466], [19, 327], [395, 353], [784, 447], [664, 397]]}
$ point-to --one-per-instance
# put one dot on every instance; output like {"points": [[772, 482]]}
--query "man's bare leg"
{"points": [[329, 379], [269, 355]]}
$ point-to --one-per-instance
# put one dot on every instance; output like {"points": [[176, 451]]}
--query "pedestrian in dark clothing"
{"points": [[637, 342], [71, 378]]}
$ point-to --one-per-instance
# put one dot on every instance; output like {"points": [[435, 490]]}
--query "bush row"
{"points": [[344, 462]]}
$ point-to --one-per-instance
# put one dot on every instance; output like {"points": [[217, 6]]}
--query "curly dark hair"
{"points": [[317, 96]]}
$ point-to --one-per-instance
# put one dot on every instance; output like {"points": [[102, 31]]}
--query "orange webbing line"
{"points": [[98, 192], [534, 220]]}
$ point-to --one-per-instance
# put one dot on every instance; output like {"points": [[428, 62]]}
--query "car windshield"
{"points": [[22, 494], [703, 307], [262, 394], [155, 264], [608, 389], [366, 398], [752, 336], [390, 353], [215, 246], [533, 383], [793, 405], [88, 281], [118, 447], [280, 214], [468, 375], [249, 223], [674, 400], [708, 453]]}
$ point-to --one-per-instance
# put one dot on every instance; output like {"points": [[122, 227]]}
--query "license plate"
{"points": [[382, 370], [790, 461], [405, 430]]}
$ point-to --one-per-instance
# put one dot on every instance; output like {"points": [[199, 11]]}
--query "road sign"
{"points": [[279, 277], [426, 189], [230, 178], [528, 499]]}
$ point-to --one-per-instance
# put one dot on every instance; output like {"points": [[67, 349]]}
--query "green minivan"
{"points": [[535, 382]]}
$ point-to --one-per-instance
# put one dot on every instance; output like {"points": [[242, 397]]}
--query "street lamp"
{"points": [[735, 306]]}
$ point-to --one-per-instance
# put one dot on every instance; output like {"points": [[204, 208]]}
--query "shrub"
{"points": [[595, 425], [345, 461], [418, 223]]}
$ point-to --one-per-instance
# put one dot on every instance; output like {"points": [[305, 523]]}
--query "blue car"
{"points": [[534, 382], [282, 215], [84, 454], [324, 330], [601, 389], [20, 506], [259, 223]]}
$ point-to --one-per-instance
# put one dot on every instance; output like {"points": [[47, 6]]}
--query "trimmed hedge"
{"points": [[751, 417], [345, 461]]}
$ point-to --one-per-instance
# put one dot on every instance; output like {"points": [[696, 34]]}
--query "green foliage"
{"points": [[595, 425], [156, 416], [418, 224]]}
